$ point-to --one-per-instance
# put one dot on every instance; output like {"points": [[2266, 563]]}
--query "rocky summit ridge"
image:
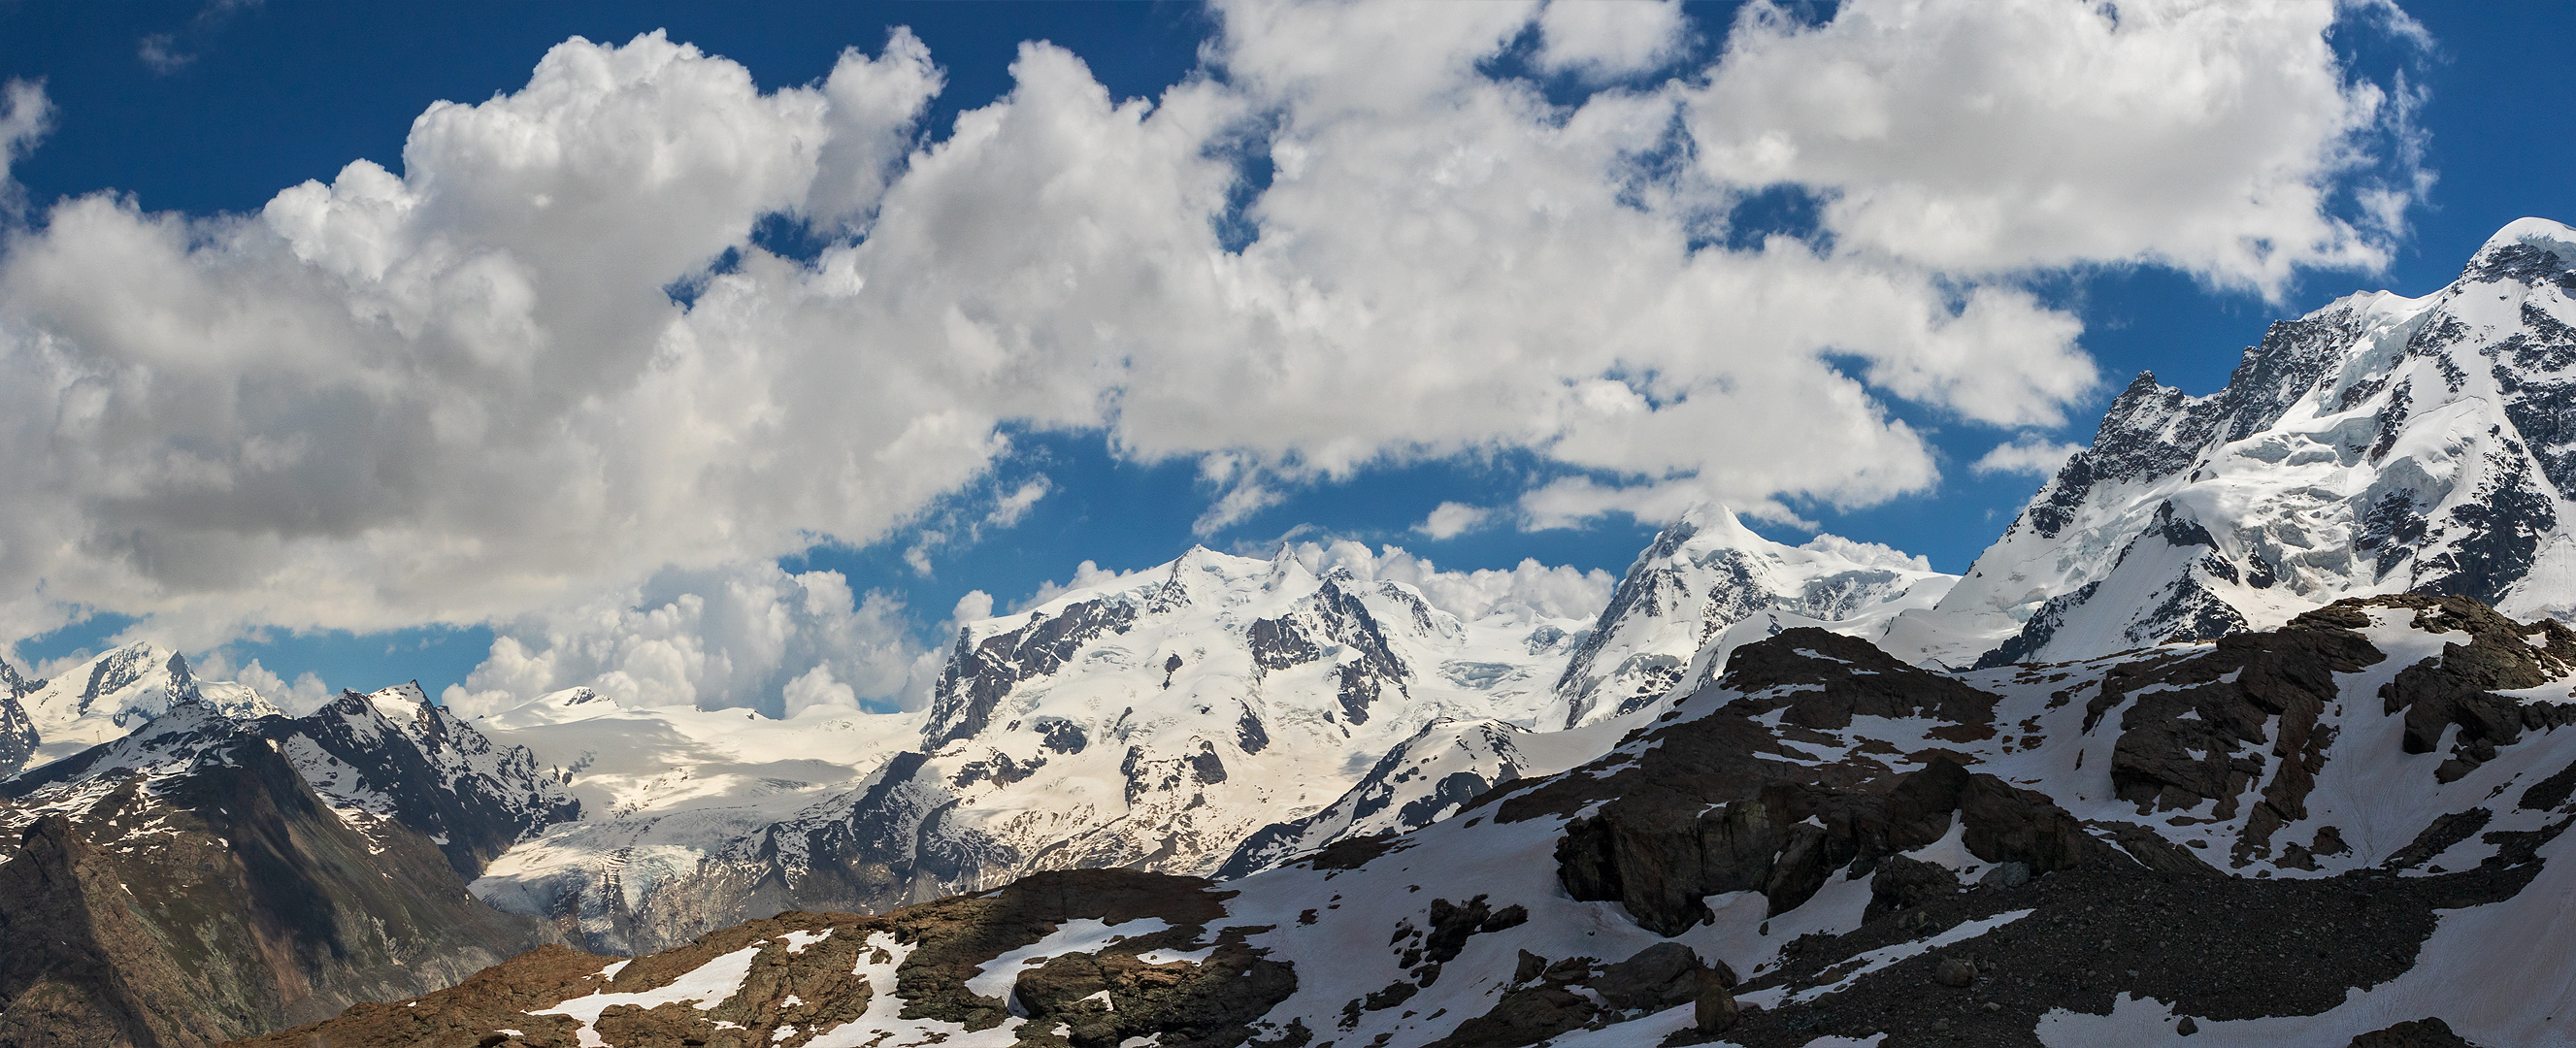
{"points": [[2244, 731]]}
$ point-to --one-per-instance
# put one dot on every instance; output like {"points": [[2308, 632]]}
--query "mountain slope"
{"points": [[2296, 836], [1153, 721], [1708, 585], [185, 885], [206, 877], [2379, 445], [395, 757]]}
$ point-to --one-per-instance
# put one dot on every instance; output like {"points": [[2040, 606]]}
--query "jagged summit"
{"points": [[1709, 584], [2381, 444], [115, 692]]}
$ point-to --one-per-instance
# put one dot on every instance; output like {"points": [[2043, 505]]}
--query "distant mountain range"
{"points": [[2243, 728]]}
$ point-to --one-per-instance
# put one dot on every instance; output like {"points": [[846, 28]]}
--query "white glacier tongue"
{"points": [[1708, 585], [2379, 445]]}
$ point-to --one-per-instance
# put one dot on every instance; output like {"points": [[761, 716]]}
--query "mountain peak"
{"points": [[2552, 236]]}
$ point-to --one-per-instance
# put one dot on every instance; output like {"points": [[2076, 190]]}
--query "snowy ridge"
{"points": [[2379, 445], [1708, 585], [118, 691], [1153, 720], [393, 756], [381, 760]]}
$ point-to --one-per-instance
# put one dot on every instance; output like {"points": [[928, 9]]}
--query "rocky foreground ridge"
{"points": [[2306, 835]]}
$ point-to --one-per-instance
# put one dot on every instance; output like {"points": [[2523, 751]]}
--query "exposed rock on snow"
{"points": [[2378, 445], [1708, 585], [1155, 721], [113, 693]]}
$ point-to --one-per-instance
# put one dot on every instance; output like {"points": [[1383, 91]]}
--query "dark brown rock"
{"points": [[1658, 977], [1902, 883], [1713, 1010], [2421, 1033]]}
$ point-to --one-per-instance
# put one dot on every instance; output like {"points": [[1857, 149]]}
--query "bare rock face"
{"points": [[1549, 998], [1707, 816], [221, 903], [18, 736]]}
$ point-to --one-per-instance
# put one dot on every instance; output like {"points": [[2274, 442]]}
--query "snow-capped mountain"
{"points": [[1152, 721], [2379, 445], [206, 877], [395, 757], [112, 694], [2345, 831], [1708, 585]]}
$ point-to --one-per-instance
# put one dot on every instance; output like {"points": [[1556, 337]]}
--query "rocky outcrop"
{"points": [[1661, 865], [790, 979], [18, 736], [1547, 998], [2430, 1032], [978, 675], [2195, 728], [1720, 804], [2458, 688]]}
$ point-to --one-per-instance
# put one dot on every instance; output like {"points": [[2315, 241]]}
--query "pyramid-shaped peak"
{"points": [[1715, 520]]}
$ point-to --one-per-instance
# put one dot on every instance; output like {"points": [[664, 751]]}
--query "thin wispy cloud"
{"points": [[169, 52]]}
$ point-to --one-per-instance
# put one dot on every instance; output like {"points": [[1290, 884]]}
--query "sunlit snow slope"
{"points": [[2379, 445], [1154, 721]]}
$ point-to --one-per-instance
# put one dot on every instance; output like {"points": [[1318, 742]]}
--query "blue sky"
{"points": [[213, 110]]}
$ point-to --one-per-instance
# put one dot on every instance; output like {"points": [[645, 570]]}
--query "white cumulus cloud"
{"points": [[2000, 135], [465, 391], [747, 636], [1610, 38], [1452, 519], [2028, 454]]}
